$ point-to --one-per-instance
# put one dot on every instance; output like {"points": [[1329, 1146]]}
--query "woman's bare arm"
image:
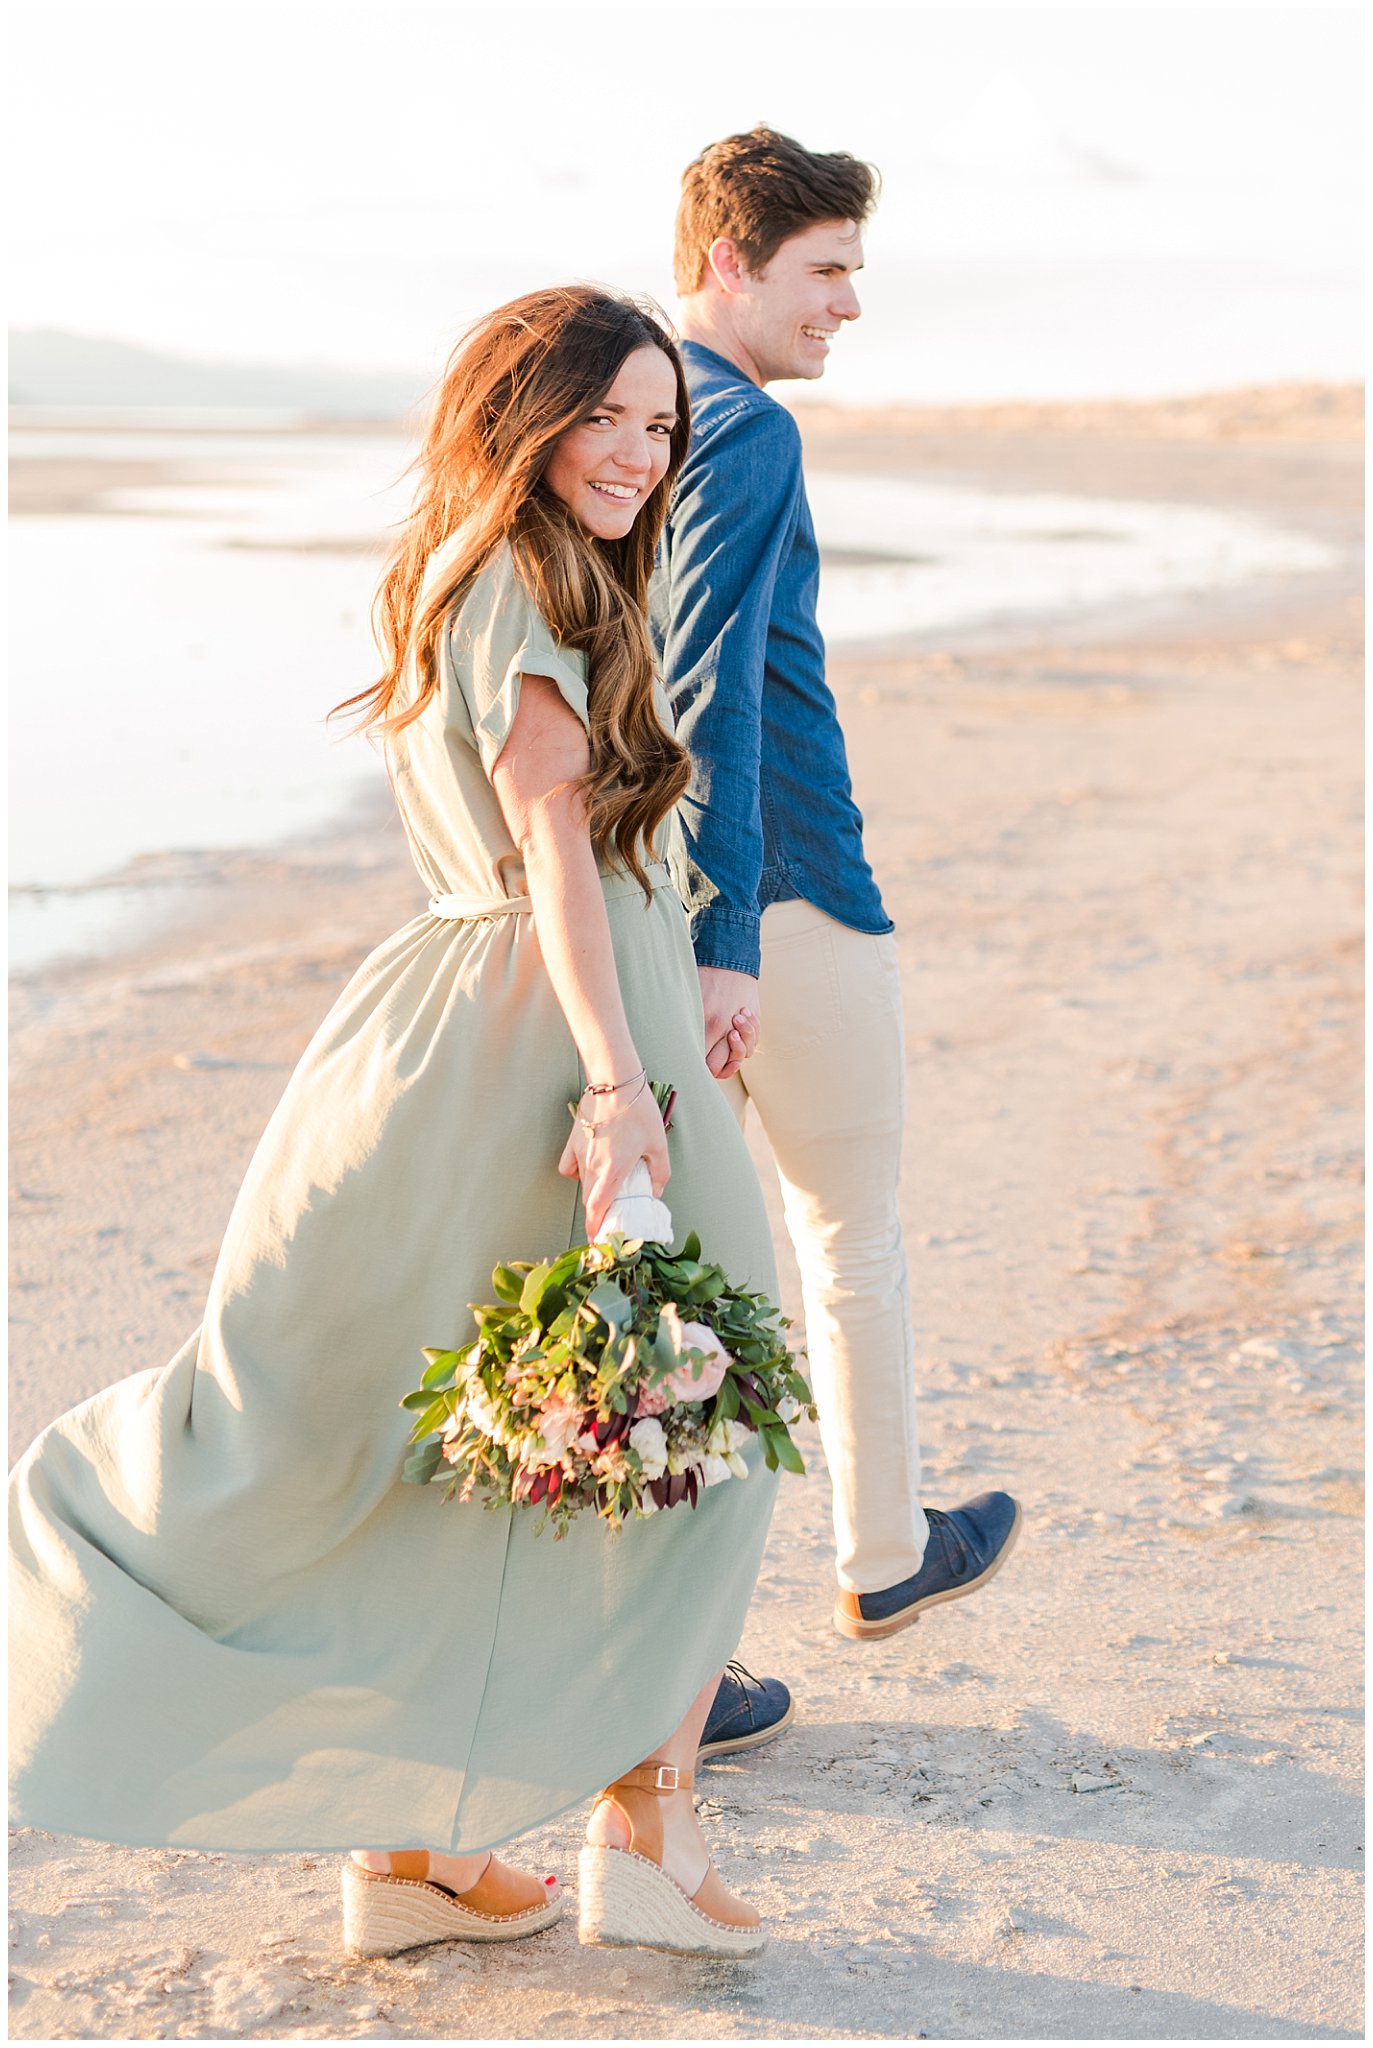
{"points": [[535, 779]]}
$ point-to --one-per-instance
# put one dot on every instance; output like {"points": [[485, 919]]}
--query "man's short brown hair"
{"points": [[759, 190]]}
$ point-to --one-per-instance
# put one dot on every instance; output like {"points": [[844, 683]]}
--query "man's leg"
{"points": [[828, 1082]]}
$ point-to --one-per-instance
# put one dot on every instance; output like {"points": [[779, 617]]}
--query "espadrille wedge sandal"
{"points": [[627, 1899], [384, 1913]]}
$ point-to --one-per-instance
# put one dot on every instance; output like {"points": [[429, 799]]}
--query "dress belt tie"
{"points": [[460, 908]]}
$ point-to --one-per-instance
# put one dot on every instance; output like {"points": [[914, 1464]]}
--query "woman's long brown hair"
{"points": [[516, 382]]}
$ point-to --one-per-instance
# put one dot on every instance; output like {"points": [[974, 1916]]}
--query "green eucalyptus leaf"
{"points": [[421, 1465], [441, 1372], [435, 1416], [664, 1351], [611, 1303], [534, 1284], [551, 1304], [788, 1455]]}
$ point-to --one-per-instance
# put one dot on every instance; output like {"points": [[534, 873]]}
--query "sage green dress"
{"points": [[232, 1626]]}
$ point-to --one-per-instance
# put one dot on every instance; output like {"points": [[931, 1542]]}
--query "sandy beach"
{"points": [[1117, 1794]]}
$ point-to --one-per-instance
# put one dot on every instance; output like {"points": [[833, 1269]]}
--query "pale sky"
{"points": [[351, 184]]}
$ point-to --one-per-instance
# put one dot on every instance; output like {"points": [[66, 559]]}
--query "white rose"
{"points": [[647, 1439], [480, 1410], [713, 1470]]}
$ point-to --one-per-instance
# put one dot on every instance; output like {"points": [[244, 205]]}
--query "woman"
{"points": [[221, 1592]]}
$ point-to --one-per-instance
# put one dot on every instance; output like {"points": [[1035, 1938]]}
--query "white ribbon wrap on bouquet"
{"points": [[636, 1210]]}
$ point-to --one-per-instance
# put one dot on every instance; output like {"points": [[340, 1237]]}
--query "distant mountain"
{"points": [[51, 368]]}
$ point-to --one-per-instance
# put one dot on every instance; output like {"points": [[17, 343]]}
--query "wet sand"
{"points": [[1117, 1793]]}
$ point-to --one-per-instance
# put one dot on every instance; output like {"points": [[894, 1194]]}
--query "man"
{"points": [[787, 919]]}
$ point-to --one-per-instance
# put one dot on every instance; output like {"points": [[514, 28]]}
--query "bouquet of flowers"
{"points": [[617, 1377]]}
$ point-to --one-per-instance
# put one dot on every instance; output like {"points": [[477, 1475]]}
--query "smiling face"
{"points": [[607, 467], [786, 317]]}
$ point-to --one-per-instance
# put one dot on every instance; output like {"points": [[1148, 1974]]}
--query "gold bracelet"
{"points": [[586, 1122], [613, 1087]]}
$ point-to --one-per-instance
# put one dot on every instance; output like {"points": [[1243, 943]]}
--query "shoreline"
{"points": [[162, 899], [1117, 1793], [1291, 449]]}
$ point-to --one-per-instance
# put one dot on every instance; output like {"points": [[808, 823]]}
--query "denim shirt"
{"points": [[769, 813]]}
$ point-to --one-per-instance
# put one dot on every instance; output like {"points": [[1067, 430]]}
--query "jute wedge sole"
{"points": [[383, 1915], [859, 1631], [627, 1899], [627, 1902]]}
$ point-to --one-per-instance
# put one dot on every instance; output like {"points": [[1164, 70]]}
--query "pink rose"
{"points": [[559, 1421], [695, 1379]]}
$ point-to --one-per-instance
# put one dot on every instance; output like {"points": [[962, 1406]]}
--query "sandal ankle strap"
{"points": [[664, 1779]]}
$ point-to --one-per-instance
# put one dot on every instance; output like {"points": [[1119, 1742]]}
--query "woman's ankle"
{"points": [[676, 1843], [421, 1865]]}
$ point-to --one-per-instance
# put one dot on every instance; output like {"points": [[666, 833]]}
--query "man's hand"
{"points": [[731, 1006]]}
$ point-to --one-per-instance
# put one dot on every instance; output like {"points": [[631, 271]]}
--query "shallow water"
{"points": [[173, 667]]}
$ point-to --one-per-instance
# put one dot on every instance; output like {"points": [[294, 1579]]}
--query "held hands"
{"points": [[730, 1002], [604, 1155]]}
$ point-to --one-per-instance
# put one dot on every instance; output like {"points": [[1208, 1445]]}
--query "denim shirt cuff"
{"points": [[724, 936]]}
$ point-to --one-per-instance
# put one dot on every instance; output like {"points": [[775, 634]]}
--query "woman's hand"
{"points": [[603, 1157]]}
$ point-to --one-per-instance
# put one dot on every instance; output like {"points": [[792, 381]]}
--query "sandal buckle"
{"points": [[667, 1778]]}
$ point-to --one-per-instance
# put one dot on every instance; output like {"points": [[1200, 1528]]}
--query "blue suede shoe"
{"points": [[967, 1547], [747, 1712]]}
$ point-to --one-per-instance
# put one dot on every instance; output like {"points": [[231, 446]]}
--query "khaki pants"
{"points": [[828, 1083]]}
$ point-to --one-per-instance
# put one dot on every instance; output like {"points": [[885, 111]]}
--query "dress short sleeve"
{"points": [[495, 636]]}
